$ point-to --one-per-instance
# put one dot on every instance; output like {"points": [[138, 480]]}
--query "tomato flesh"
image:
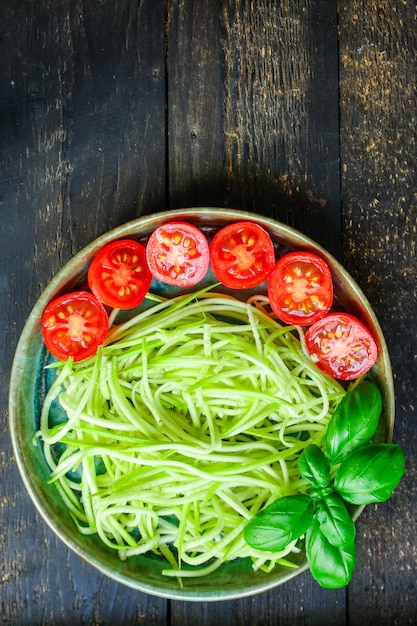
{"points": [[341, 346], [242, 255], [74, 325], [119, 275], [300, 288], [178, 254]]}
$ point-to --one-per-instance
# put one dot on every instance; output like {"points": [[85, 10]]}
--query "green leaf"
{"points": [[354, 422], [280, 523], [314, 467], [335, 521], [370, 474], [331, 566]]}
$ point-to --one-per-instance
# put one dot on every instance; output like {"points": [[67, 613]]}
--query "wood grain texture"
{"points": [[378, 52], [82, 130], [109, 110], [281, 113], [253, 110], [293, 604], [195, 104]]}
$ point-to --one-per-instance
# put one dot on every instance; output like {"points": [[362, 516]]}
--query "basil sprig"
{"points": [[352, 470]]}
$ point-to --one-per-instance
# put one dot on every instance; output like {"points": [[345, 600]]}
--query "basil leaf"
{"points": [[331, 566], [314, 467], [334, 520], [354, 421], [370, 474], [280, 523]]}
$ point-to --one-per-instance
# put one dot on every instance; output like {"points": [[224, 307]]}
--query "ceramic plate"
{"points": [[27, 388]]}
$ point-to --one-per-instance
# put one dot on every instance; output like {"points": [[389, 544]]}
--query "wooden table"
{"points": [[294, 109]]}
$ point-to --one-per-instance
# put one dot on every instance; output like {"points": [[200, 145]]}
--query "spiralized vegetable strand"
{"points": [[187, 422]]}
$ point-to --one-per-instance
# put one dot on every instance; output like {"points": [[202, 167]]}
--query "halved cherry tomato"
{"points": [[242, 255], [341, 346], [300, 288], [178, 254], [74, 325], [119, 275]]}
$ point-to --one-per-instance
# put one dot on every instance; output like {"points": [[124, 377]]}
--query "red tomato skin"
{"points": [[289, 276], [190, 254], [240, 265], [341, 346], [119, 275], [56, 319]]}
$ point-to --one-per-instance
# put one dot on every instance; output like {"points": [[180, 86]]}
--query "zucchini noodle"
{"points": [[186, 423]]}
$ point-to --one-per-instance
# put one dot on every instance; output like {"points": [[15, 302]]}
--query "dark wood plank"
{"points": [[195, 104], [294, 604], [82, 126], [378, 48], [281, 113], [253, 111], [253, 124]]}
